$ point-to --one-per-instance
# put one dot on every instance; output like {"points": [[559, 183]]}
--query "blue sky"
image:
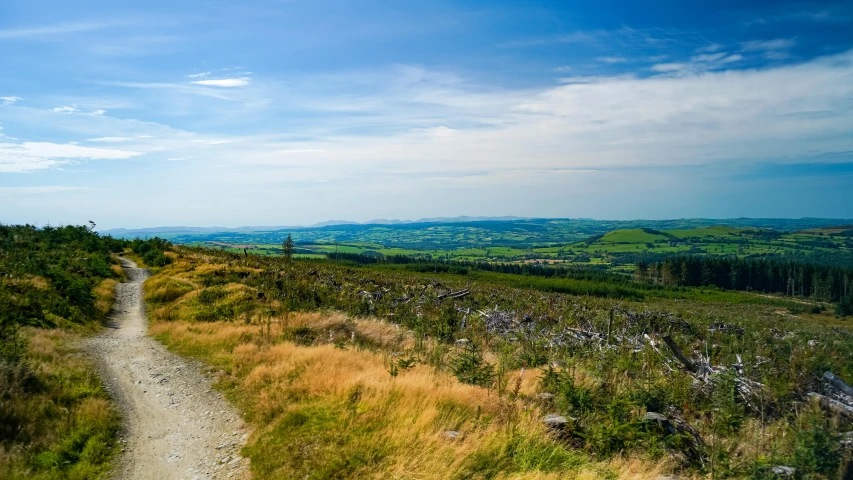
{"points": [[290, 112]]}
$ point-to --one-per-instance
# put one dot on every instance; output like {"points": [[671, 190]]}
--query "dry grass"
{"points": [[29, 281], [63, 422], [118, 271], [338, 413], [317, 388], [105, 295]]}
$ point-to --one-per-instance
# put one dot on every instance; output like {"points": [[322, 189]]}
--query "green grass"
{"points": [[631, 236], [575, 242], [63, 422], [718, 231]]}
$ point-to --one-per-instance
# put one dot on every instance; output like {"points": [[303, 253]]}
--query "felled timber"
{"points": [[834, 406], [677, 352]]}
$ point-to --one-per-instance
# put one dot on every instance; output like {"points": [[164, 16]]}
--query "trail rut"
{"points": [[175, 426]]}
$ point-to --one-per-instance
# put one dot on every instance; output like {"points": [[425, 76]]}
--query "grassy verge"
{"points": [[218, 306], [331, 396], [57, 418]]}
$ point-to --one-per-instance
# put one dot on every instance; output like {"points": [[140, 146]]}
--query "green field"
{"points": [[616, 245]]}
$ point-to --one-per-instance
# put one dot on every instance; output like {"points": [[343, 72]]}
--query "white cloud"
{"points": [[777, 55], [198, 75], [65, 109], [699, 63], [705, 117], [55, 30], [762, 45], [371, 134], [30, 156], [669, 67], [110, 139], [97, 112], [612, 60], [708, 57], [225, 82], [213, 142], [562, 68], [9, 100], [711, 48]]}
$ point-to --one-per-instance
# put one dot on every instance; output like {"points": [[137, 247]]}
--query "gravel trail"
{"points": [[175, 426]]}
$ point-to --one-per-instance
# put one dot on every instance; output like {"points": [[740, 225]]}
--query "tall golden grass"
{"points": [[332, 409], [64, 423], [398, 423]]}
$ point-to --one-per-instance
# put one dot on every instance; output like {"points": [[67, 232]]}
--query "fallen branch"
{"points": [[833, 405], [677, 352], [838, 384], [452, 294]]}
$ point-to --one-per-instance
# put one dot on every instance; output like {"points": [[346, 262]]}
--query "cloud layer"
{"points": [[31, 156], [425, 112]]}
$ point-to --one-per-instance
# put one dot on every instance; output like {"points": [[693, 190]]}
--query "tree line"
{"points": [[819, 282]]}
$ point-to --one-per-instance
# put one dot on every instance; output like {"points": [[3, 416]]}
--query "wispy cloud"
{"points": [[776, 49], [224, 82], [9, 100], [710, 48], [110, 139], [699, 63], [65, 109], [398, 130], [198, 75], [612, 60], [136, 45], [46, 31], [764, 45], [30, 156], [839, 13], [175, 87], [624, 36]]}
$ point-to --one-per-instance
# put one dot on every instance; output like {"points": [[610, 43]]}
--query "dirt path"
{"points": [[175, 426]]}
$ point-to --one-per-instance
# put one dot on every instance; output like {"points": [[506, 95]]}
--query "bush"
{"points": [[469, 367], [817, 448]]}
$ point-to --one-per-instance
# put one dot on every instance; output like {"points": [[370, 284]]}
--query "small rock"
{"points": [[661, 420], [546, 396], [451, 434], [554, 421], [784, 470]]}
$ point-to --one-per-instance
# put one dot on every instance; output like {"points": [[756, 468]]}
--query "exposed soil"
{"points": [[175, 426]]}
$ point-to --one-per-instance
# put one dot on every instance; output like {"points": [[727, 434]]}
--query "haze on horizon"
{"points": [[269, 113]]}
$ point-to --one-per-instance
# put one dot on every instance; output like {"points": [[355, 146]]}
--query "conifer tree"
{"points": [[287, 248]]}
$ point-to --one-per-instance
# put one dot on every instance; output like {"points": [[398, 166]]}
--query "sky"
{"points": [[140, 114]]}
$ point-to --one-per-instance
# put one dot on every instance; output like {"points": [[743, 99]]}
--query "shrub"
{"points": [[816, 445], [469, 367]]}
